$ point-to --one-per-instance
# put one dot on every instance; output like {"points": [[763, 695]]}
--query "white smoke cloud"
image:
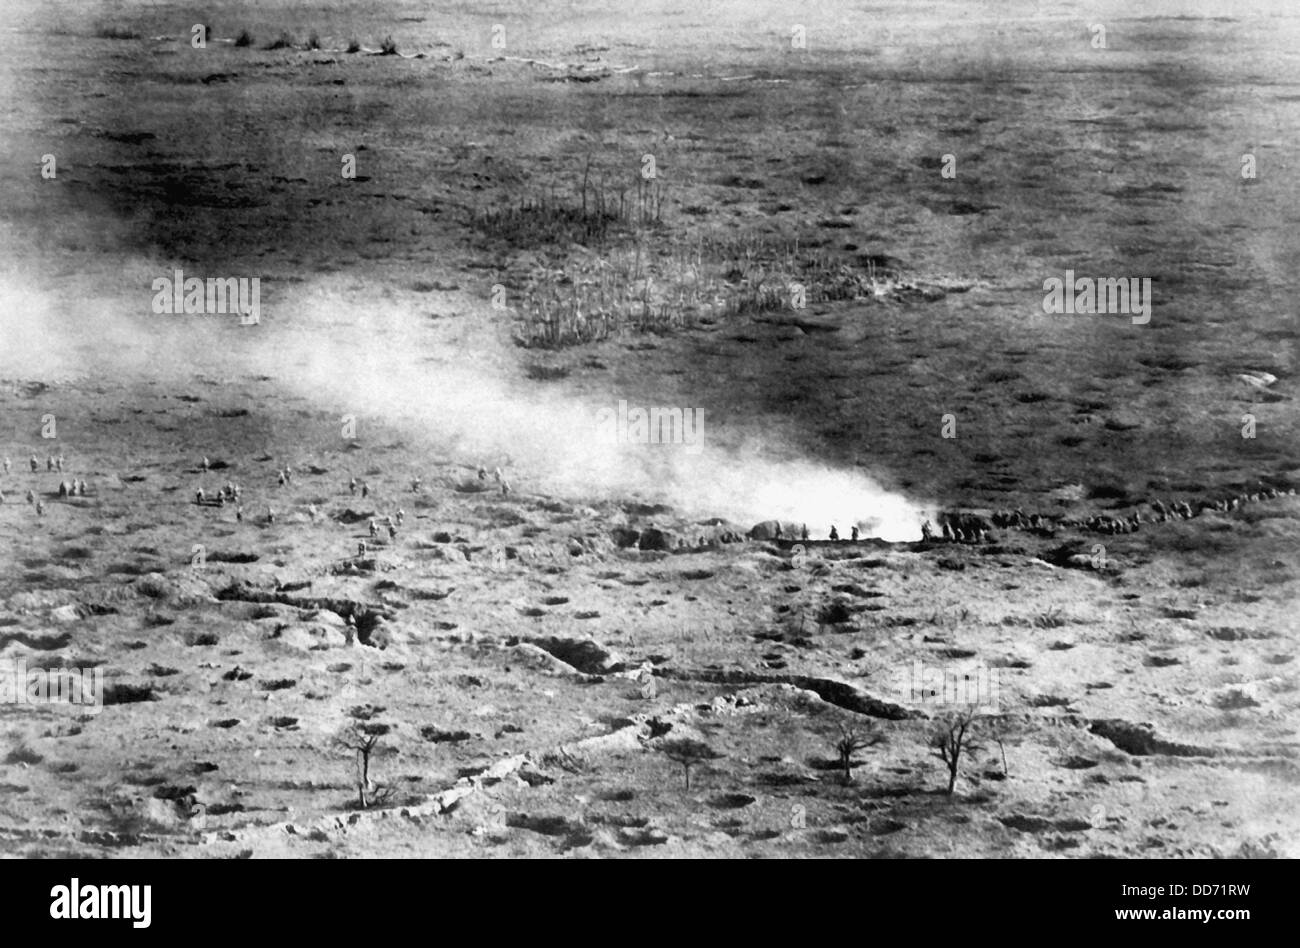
{"points": [[378, 361]]}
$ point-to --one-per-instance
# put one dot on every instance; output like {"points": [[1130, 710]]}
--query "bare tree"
{"points": [[849, 742], [951, 737], [362, 738], [688, 752]]}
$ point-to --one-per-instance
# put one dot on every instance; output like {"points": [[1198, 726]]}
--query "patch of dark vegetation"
{"points": [[41, 643], [221, 556], [546, 373], [835, 613], [586, 655], [1230, 634], [114, 31], [123, 693], [1140, 740], [437, 735], [22, 754]]}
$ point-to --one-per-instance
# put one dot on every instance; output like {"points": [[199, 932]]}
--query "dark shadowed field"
{"points": [[839, 260]]}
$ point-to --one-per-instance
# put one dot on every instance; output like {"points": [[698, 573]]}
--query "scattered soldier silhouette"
{"points": [[927, 531], [63, 489], [8, 465], [415, 485], [392, 532], [401, 515], [206, 463], [31, 497], [49, 462], [854, 533], [239, 514], [40, 508], [282, 479], [482, 473], [352, 485], [361, 548], [199, 496], [501, 479], [835, 534], [58, 462], [803, 532], [646, 680], [288, 473], [365, 490], [36, 465], [777, 535]]}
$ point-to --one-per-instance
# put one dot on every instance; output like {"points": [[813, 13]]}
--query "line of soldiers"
{"points": [[958, 527], [1160, 512], [855, 533], [51, 464]]}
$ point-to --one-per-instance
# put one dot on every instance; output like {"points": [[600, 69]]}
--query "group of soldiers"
{"points": [[51, 464], [972, 528], [959, 527], [496, 476], [1176, 510], [74, 488], [390, 522], [855, 533], [230, 493]]}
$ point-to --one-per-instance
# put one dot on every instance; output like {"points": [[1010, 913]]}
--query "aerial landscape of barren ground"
{"points": [[590, 429]]}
